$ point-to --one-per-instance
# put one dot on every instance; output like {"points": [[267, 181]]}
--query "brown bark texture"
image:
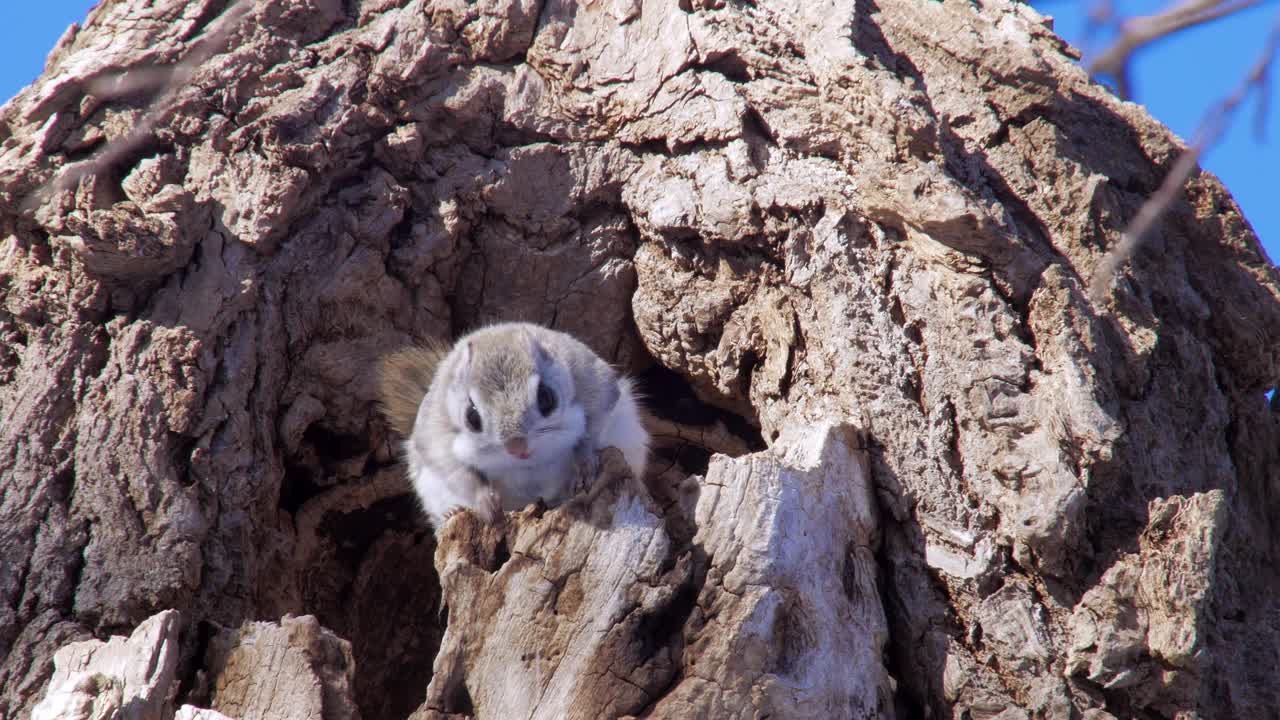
{"points": [[904, 465]]}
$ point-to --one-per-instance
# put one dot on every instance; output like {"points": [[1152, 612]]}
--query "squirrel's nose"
{"points": [[517, 446]]}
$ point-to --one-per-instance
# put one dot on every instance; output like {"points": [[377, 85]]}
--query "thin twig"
{"points": [[1264, 106], [1139, 31], [715, 437], [1100, 16], [173, 79], [1211, 128]]}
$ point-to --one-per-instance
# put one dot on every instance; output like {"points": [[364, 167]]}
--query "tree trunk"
{"points": [[847, 245]]}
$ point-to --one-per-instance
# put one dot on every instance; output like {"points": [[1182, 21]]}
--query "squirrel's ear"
{"points": [[540, 357], [463, 370]]}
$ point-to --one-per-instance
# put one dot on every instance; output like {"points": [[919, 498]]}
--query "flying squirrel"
{"points": [[512, 413]]}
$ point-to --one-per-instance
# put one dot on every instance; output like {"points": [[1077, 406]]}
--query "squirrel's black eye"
{"points": [[546, 399], [473, 417]]}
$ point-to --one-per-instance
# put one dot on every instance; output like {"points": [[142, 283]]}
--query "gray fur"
{"points": [[493, 369]]}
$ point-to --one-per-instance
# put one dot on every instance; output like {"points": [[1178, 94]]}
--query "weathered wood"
{"points": [[133, 677], [811, 213], [291, 670]]}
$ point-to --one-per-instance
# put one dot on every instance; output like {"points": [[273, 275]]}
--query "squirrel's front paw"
{"points": [[489, 506], [586, 464]]}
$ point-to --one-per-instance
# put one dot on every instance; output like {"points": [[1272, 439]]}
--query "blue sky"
{"points": [[1177, 79], [28, 30]]}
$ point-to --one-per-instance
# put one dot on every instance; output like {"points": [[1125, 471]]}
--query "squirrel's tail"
{"points": [[404, 377]]}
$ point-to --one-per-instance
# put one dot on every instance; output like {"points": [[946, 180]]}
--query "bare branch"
{"points": [[715, 437], [1139, 31], [1211, 128], [1100, 15], [173, 79], [1264, 105]]}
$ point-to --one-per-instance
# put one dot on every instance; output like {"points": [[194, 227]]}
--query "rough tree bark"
{"points": [[791, 218]]}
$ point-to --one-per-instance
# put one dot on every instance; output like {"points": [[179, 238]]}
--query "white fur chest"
{"points": [[519, 486]]}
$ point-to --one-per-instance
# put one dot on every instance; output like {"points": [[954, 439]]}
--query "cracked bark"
{"points": [[812, 215]]}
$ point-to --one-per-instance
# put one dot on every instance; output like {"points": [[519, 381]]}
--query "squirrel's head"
{"points": [[512, 403]]}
